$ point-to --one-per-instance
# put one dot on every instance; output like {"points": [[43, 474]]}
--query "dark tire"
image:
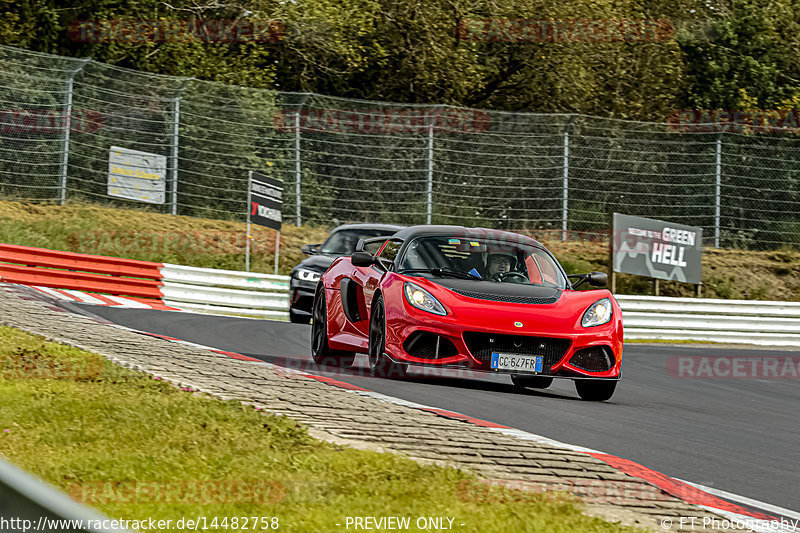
{"points": [[296, 318], [379, 364], [522, 381], [595, 391], [320, 351]]}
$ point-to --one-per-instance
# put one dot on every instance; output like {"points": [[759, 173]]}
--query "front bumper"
{"points": [[301, 296], [467, 341]]}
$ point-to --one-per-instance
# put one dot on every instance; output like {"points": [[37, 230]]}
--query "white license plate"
{"points": [[516, 362]]}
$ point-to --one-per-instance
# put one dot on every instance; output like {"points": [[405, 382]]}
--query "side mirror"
{"points": [[598, 279], [310, 249], [362, 259], [595, 279]]}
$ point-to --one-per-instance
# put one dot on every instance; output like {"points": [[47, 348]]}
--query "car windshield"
{"points": [[482, 258], [343, 242]]}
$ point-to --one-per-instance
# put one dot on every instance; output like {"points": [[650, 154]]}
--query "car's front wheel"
{"points": [[320, 351], [379, 364], [522, 381], [595, 390]]}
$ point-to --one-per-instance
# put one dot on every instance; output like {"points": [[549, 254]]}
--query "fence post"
{"points": [[247, 240], [62, 178], [176, 122], [430, 173], [297, 165], [565, 197], [717, 201]]}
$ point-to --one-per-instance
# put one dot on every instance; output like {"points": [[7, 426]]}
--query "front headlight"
{"points": [[422, 299], [308, 275], [598, 313]]}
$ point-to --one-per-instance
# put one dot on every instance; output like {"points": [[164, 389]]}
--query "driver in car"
{"points": [[498, 264]]}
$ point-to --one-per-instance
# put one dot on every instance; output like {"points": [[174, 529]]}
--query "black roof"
{"points": [[387, 227], [462, 231]]}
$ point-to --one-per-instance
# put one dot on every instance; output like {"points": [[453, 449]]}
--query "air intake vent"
{"points": [[507, 298]]}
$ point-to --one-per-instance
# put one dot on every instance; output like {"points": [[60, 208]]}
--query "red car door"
{"points": [[369, 278]]}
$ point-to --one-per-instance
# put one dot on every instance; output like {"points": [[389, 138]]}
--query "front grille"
{"points": [[507, 298], [481, 345]]}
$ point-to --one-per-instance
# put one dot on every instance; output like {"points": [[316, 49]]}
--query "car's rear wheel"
{"points": [[595, 390], [379, 364], [297, 318], [320, 351], [522, 381]]}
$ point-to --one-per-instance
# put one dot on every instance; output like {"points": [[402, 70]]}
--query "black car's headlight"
{"points": [[598, 313], [304, 274], [422, 299]]}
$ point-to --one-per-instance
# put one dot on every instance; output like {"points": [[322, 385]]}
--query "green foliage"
{"points": [[349, 48], [748, 60]]}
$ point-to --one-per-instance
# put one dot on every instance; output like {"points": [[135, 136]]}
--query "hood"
{"points": [[490, 290], [316, 263]]}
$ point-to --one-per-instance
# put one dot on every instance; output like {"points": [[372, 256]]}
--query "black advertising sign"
{"points": [[266, 200], [658, 249]]}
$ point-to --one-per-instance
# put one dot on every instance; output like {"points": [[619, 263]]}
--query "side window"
{"points": [[389, 251], [373, 247], [549, 273], [534, 274]]}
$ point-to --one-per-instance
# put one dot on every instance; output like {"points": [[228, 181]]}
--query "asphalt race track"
{"points": [[737, 435]]}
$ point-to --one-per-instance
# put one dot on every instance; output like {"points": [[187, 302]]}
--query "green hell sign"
{"points": [[658, 249]]}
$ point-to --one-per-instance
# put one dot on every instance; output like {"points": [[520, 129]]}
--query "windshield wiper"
{"points": [[443, 272]]}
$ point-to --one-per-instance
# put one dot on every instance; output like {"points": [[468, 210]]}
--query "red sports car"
{"points": [[487, 300]]}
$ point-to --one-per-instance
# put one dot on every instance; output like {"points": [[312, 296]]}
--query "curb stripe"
{"points": [[465, 418], [679, 489], [234, 355]]}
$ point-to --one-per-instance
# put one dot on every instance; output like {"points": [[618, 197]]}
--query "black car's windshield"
{"points": [[343, 242], [483, 258]]}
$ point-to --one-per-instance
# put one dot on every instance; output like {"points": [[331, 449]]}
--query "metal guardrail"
{"points": [[202, 290], [225, 292], [700, 319], [27, 498], [230, 292]]}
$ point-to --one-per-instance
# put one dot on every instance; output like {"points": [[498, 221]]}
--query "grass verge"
{"points": [[98, 430]]}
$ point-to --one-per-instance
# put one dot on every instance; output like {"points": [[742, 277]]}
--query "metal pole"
{"points": [[297, 165], [277, 250], [62, 178], [176, 103], [718, 190], [430, 173], [249, 210], [612, 276], [565, 198]]}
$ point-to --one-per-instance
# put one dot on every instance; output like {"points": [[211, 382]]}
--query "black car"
{"points": [[341, 241]]}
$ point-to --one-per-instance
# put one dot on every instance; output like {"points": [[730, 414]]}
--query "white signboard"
{"points": [[137, 175]]}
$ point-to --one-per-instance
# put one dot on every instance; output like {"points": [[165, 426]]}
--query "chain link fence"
{"points": [[344, 160]]}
